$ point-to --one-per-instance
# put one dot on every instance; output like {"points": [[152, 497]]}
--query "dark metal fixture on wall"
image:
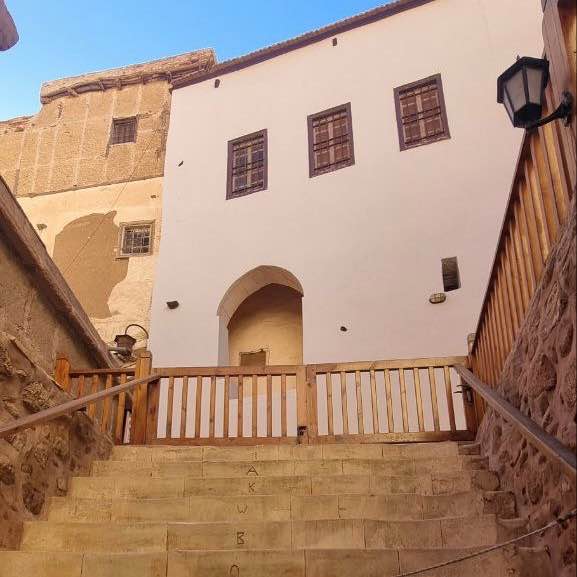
{"points": [[521, 89]]}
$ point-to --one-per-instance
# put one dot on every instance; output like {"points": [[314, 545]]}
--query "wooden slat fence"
{"points": [[538, 207], [111, 413], [201, 405], [402, 400]]}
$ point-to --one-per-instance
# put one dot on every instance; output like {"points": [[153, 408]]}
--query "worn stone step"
{"points": [[285, 452], [312, 563], [94, 537], [281, 508], [216, 469], [137, 487], [290, 535]]}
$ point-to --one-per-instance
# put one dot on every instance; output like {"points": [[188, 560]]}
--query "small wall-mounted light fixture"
{"points": [[217, 83], [335, 41], [471, 341], [437, 298], [125, 343], [343, 329], [172, 305], [521, 89]]}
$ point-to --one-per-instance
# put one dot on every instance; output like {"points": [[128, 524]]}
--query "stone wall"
{"points": [[539, 377], [39, 319], [67, 144]]}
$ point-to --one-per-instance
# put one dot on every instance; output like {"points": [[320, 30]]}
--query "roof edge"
{"points": [[167, 69], [298, 42]]}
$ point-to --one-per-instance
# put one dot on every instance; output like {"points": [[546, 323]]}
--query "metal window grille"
{"points": [[247, 164], [330, 140], [421, 113], [136, 239], [451, 275], [123, 130]]}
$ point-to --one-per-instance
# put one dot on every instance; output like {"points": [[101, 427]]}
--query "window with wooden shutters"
{"points": [[136, 239], [330, 140], [247, 164], [421, 114], [123, 130]]}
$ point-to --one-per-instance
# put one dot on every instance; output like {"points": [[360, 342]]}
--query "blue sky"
{"points": [[61, 38]]}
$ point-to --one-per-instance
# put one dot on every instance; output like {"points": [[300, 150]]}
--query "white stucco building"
{"points": [[287, 176]]}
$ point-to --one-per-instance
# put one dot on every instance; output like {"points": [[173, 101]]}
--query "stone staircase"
{"points": [[278, 511]]}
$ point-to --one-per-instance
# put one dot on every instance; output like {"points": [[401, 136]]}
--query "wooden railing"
{"points": [[548, 445], [110, 412], [538, 207], [203, 404], [397, 400], [382, 401]]}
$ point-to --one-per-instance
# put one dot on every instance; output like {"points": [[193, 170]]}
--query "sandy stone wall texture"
{"points": [[36, 463], [66, 145], [539, 377]]}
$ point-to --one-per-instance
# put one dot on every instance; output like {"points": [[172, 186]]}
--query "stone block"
{"points": [[328, 534], [403, 534], [40, 564], [93, 537], [236, 564], [231, 536], [315, 507], [124, 487], [248, 486], [125, 565], [342, 484], [63, 177], [248, 469], [327, 563]]}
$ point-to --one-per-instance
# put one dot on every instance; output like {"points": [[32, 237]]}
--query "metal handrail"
{"points": [[70, 406], [540, 439]]}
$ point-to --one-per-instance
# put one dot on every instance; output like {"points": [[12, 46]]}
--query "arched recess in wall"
{"points": [[263, 310]]}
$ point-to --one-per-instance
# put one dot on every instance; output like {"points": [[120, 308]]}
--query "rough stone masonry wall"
{"points": [[36, 463], [66, 145], [539, 377]]}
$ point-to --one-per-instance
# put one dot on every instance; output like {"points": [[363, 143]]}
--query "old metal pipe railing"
{"points": [[547, 444]]}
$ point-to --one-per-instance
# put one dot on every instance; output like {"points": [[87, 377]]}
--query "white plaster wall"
{"points": [[365, 241], [130, 300]]}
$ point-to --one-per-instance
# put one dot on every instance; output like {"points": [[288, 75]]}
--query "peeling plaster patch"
{"points": [[90, 243]]}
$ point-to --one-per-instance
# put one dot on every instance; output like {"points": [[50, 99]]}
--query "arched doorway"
{"points": [[261, 319]]}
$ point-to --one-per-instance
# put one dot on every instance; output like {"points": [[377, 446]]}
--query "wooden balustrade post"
{"points": [[62, 372], [140, 400], [302, 390]]}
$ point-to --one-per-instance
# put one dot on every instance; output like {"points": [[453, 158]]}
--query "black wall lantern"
{"points": [[521, 88]]}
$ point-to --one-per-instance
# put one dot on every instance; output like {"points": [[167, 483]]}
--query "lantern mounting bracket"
{"points": [[563, 111]]}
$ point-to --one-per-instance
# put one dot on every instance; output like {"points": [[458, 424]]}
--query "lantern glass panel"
{"points": [[516, 89], [535, 82]]}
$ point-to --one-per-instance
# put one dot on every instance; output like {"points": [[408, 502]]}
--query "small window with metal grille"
{"points": [[247, 165], [330, 140], [451, 275], [421, 113], [123, 130], [136, 239]]}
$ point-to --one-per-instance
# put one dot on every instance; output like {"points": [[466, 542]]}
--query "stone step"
{"points": [[137, 487], [313, 563], [167, 453], [219, 469], [281, 508], [290, 535]]}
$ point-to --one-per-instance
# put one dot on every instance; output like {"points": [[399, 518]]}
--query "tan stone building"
{"points": [[88, 169]]}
